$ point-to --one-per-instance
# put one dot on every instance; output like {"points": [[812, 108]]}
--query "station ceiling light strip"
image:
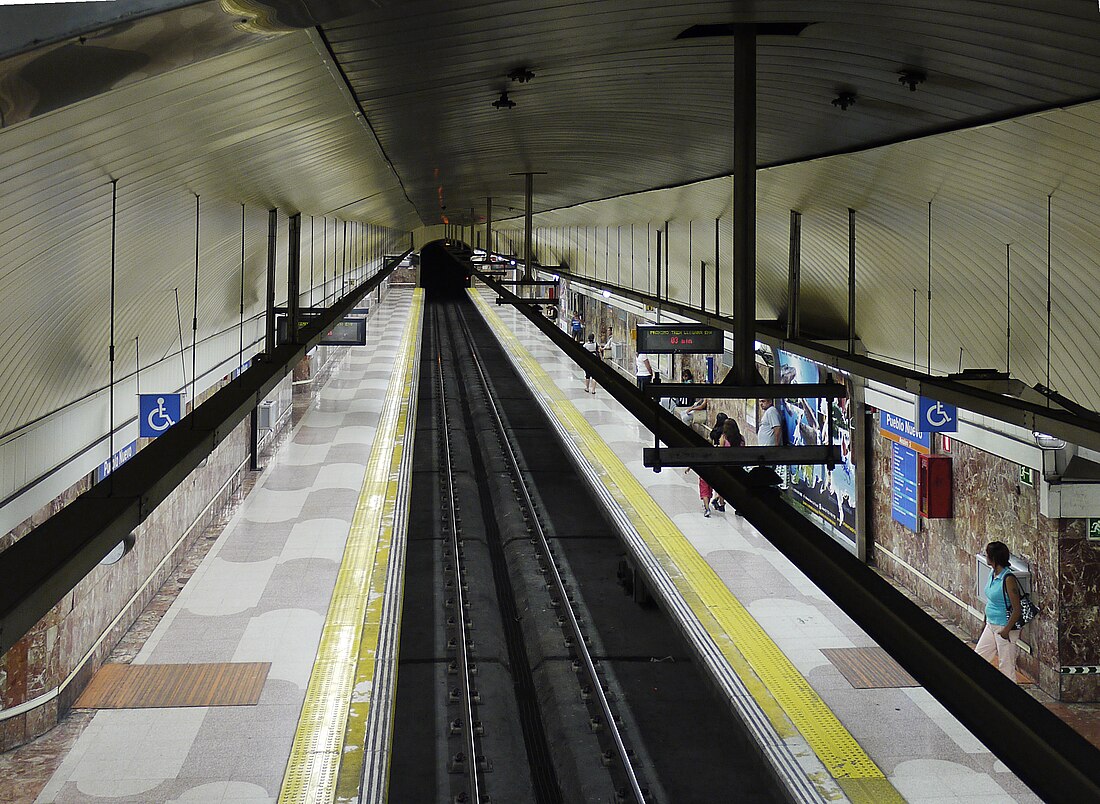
{"points": [[319, 757], [740, 637]]}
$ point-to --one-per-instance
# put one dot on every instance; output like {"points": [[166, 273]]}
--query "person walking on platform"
{"points": [[770, 431], [731, 437], [643, 371], [1002, 611], [593, 349]]}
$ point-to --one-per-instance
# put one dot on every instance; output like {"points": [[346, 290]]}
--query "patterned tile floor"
{"points": [[927, 754], [255, 590]]}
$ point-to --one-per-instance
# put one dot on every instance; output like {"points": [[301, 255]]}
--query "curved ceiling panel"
{"points": [[988, 189], [264, 126], [618, 104]]}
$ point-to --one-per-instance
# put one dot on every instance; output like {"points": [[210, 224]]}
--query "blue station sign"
{"points": [[934, 416], [158, 412], [902, 431]]}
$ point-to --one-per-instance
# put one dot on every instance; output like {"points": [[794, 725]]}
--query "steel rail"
{"points": [[1046, 753], [460, 598], [574, 624]]}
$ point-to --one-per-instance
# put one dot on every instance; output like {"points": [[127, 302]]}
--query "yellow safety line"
{"points": [[780, 690], [349, 637]]}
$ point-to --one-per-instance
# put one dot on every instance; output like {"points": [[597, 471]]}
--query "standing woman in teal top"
{"points": [[1002, 611]]}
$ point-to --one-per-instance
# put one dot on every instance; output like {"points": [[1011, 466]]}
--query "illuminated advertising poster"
{"points": [[829, 496]]}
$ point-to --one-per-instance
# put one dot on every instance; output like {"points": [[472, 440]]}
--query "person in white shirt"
{"points": [[593, 349], [769, 432], [643, 371]]}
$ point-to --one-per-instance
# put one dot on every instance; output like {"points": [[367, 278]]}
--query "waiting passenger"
{"points": [[1002, 611], [691, 406], [593, 349], [643, 371]]}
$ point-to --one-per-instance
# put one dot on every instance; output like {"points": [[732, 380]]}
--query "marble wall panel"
{"points": [[45, 657]]}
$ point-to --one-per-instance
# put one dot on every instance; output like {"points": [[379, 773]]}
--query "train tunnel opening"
{"points": [[442, 274]]}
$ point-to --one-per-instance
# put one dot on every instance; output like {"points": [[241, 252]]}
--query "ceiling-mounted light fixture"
{"points": [[844, 100], [1045, 441], [521, 74], [911, 78], [504, 102]]}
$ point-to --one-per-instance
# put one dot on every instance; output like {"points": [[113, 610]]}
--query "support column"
{"points": [[293, 278], [528, 211], [744, 205], [269, 312], [794, 278], [851, 281], [489, 226]]}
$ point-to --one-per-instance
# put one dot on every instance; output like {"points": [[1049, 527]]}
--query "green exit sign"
{"points": [[1027, 476], [1094, 530]]}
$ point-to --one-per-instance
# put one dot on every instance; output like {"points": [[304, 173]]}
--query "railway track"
{"points": [[526, 671]]}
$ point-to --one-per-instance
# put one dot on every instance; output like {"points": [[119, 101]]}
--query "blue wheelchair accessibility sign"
{"points": [[936, 417], [158, 412]]}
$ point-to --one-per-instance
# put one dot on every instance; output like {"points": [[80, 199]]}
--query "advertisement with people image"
{"points": [[827, 494]]}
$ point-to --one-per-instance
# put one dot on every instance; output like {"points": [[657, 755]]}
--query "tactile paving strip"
{"points": [[739, 636], [319, 756]]}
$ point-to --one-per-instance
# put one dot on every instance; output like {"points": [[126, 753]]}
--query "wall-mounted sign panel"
{"points": [[158, 412], [936, 417], [903, 502], [347, 332], [902, 431], [679, 339], [116, 460]]}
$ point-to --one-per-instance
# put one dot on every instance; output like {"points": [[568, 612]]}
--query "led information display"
{"points": [[346, 332], [684, 339]]}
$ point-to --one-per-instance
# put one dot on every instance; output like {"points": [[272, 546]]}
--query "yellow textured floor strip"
{"points": [[318, 756], [781, 691]]}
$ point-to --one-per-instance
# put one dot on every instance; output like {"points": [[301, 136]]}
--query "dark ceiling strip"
{"points": [[1083, 431], [948, 128], [363, 114], [1043, 750], [45, 565]]}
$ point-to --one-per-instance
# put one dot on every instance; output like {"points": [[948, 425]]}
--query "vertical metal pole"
{"points": [[311, 279], [137, 363], [1008, 309], [744, 204], [111, 350], [240, 349], [344, 262], [324, 261], [717, 261], [659, 244], [528, 212], [195, 314], [666, 261], [293, 272], [269, 313], [929, 365], [703, 285], [489, 226], [254, 441], [794, 278], [690, 262], [851, 281]]}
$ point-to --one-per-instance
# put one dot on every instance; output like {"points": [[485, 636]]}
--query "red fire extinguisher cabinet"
{"points": [[934, 486]]}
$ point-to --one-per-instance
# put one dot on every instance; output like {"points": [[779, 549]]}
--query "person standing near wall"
{"points": [[769, 433], [593, 349], [643, 371], [1002, 611]]}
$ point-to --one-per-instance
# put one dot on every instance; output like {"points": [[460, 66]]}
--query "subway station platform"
{"points": [[323, 517], [261, 595], [775, 628]]}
